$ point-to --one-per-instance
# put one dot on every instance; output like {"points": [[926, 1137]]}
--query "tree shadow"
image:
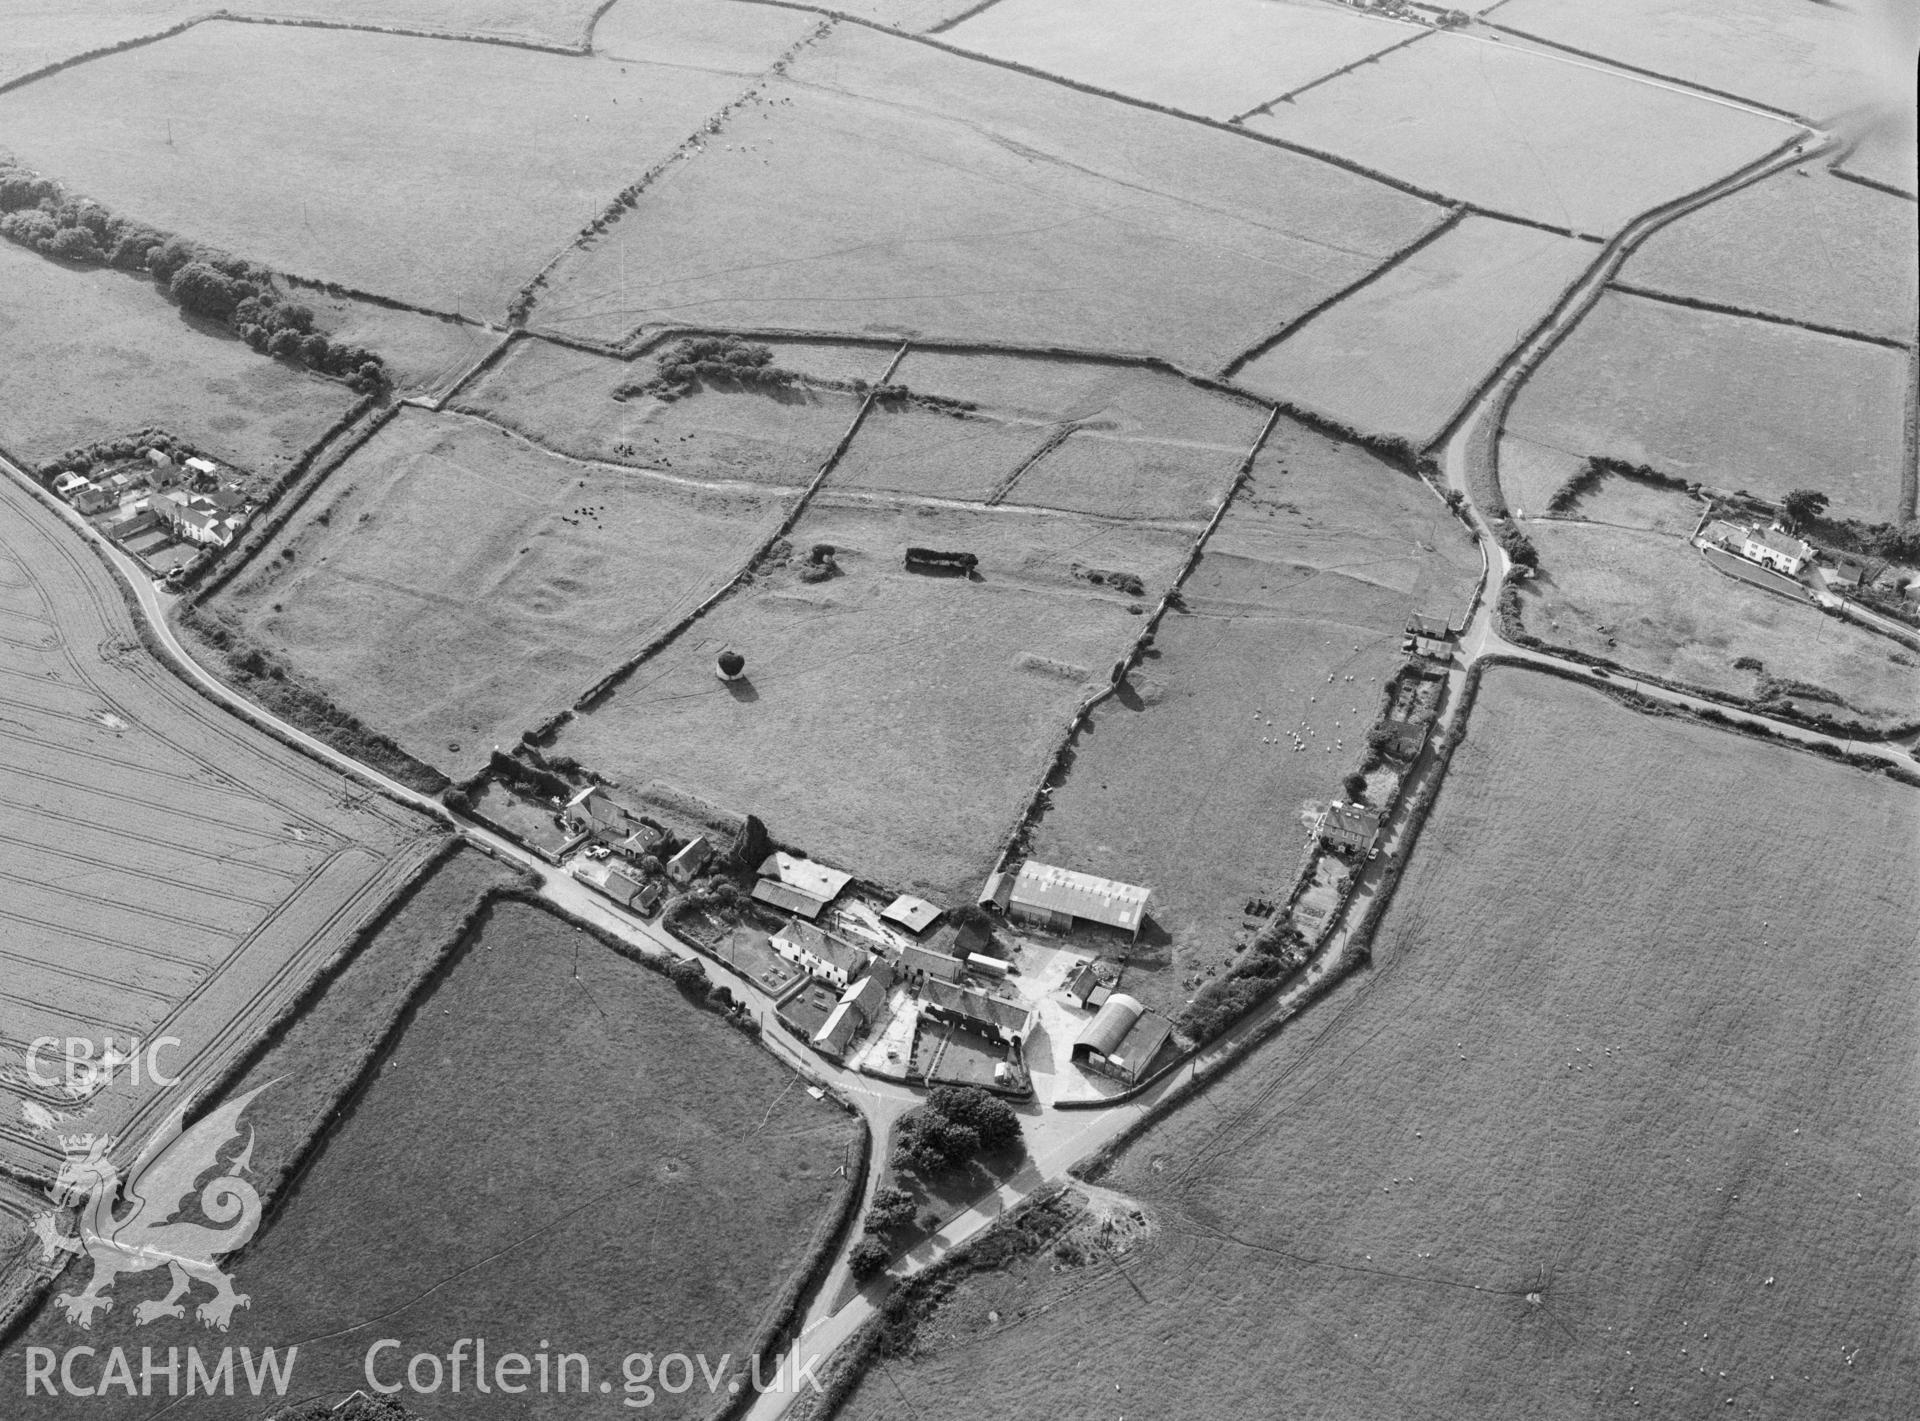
{"points": [[741, 689]]}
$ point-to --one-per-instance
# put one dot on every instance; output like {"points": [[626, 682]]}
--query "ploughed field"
{"points": [[164, 870], [1622, 1112], [558, 1153], [1189, 779], [895, 188], [452, 584]]}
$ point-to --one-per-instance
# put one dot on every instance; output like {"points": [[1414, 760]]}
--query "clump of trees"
{"points": [[868, 1259], [1518, 545], [535, 780], [820, 563], [957, 1125], [719, 359], [204, 281], [1274, 952]]}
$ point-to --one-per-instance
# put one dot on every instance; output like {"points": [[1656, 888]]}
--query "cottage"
{"points": [[1122, 1040], [824, 955], [1770, 547], [1056, 898], [1433, 628], [197, 525], [937, 965], [1006, 1023], [93, 499], [1350, 826], [684, 865]]}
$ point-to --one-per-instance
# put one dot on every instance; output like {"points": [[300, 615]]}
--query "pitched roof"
{"points": [[1082, 982], [1422, 624], [1354, 819], [837, 1030], [1083, 895], [934, 964], [869, 994], [1721, 531], [772, 890], [836, 951], [914, 914], [1010, 1018], [805, 876], [1783, 543]]}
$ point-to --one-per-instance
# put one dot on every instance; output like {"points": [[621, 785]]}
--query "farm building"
{"points": [[690, 860], [1725, 534], [1433, 628], [1056, 898], [802, 881], [936, 965], [204, 467], [1084, 987], [916, 915], [91, 498], [1845, 572], [627, 889], [1004, 1022], [776, 894], [1122, 1039], [824, 955], [868, 996], [836, 1033], [1770, 547], [1405, 739], [1350, 826]]}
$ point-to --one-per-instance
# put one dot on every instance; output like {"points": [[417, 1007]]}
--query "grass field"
{"points": [[1805, 59], [1188, 780], [1215, 57], [895, 188], [424, 355], [1523, 132], [563, 398], [1130, 478], [558, 1147], [931, 453], [450, 584], [111, 355], [1649, 601], [892, 723], [1403, 353], [1803, 244], [295, 147], [1885, 153], [1623, 1113], [166, 870], [1734, 403]]}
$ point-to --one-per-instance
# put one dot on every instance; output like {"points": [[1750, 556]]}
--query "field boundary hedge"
{"points": [[1649, 705], [1450, 220], [1512, 627], [520, 305], [1875, 183], [1612, 63], [608, 683], [1718, 308], [1343, 70], [46, 71]]}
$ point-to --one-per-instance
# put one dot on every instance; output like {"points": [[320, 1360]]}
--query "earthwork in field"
{"points": [[167, 870], [895, 188], [1524, 132], [559, 1145], [1622, 1113], [1190, 779], [891, 721], [1219, 58], [451, 584], [111, 356], [1725, 400], [294, 146], [1619, 579], [1803, 245], [574, 402], [1403, 353]]}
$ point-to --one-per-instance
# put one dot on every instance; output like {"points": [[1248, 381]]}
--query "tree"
{"points": [[170, 256], [75, 244], [1355, 785], [992, 1120], [314, 349], [892, 1208], [687, 974], [1804, 505], [285, 344], [205, 291], [868, 1259]]}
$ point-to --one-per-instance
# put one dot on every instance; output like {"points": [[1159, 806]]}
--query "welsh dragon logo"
{"points": [[157, 1186]]}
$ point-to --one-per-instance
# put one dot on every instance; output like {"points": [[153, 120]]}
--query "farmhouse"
{"points": [[91, 498], [1055, 898], [1122, 1039], [1350, 826], [1006, 1023], [823, 954], [1781, 551]]}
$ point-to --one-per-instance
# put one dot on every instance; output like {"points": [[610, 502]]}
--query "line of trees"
{"points": [[214, 285]]}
